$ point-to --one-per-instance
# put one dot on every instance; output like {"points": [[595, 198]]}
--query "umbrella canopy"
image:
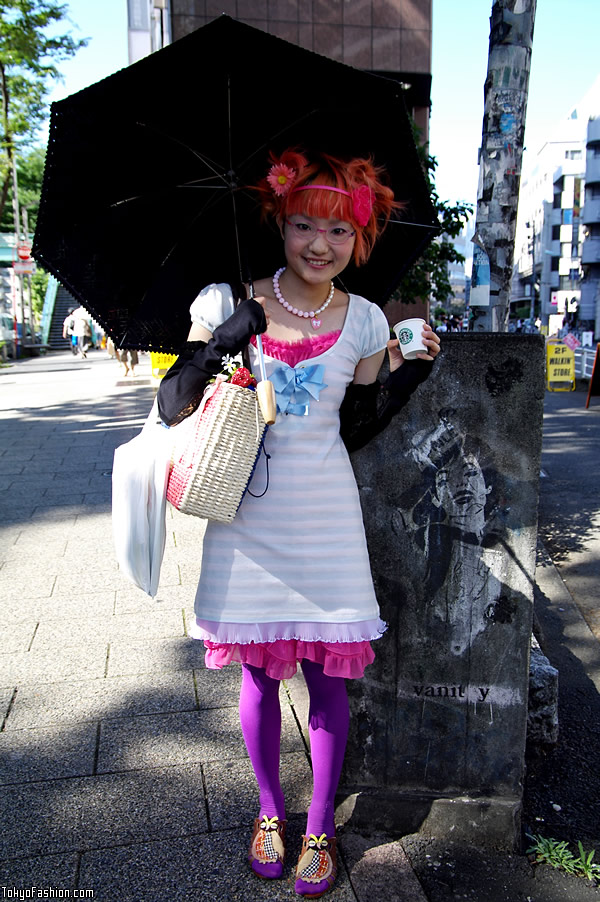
{"points": [[146, 190]]}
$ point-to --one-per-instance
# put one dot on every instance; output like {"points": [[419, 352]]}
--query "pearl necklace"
{"points": [[313, 314]]}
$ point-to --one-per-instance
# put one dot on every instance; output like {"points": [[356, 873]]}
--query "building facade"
{"points": [[554, 276], [590, 258], [388, 37], [148, 27]]}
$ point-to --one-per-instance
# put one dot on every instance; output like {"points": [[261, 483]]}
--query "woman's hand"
{"points": [[263, 303], [429, 338]]}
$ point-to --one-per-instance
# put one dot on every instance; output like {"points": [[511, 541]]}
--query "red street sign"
{"points": [[24, 251]]}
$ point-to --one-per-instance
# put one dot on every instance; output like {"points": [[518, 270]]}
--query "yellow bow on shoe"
{"points": [[316, 863]]}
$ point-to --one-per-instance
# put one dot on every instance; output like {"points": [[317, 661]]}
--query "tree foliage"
{"points": [[30, 174], [429, 276], [29, 54]]}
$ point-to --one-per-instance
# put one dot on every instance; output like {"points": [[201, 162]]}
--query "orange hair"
{"points": [[324, 169]]}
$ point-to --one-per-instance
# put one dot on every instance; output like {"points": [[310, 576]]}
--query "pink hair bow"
{"points": [[362, 204]]}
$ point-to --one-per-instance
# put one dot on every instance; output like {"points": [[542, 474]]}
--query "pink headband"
{"points": [[281, 179], [362, 200]]}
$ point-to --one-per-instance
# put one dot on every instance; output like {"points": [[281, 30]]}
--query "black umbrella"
{"points": [[145, 197]]}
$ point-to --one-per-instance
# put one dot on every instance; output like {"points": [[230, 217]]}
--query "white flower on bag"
{"points": [[229, 364]]}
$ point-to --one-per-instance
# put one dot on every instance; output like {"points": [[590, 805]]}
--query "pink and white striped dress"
{"points": [[290, 577]]}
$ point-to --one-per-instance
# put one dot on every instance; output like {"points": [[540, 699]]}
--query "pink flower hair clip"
{"points": [[281, 178]]}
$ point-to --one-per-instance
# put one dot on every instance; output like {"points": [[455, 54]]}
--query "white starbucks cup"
{"points": [[409, 334]]}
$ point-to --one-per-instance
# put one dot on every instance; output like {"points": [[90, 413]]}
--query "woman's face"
{"points": [[462, 492], [309, 253]]}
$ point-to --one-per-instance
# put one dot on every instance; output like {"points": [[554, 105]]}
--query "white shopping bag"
{"points": [[139, 498]]}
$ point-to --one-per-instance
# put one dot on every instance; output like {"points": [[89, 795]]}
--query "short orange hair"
{"points": [[346, 175]]}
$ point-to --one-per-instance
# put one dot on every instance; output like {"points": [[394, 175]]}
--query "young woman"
{"points": [[289, 580]]}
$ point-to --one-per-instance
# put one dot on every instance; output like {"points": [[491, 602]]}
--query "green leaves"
{"points": [[429, 277], [558, 855], [28, 62], [30, 174]]}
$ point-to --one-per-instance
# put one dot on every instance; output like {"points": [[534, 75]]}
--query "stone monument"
{"points": [[449, 493]]}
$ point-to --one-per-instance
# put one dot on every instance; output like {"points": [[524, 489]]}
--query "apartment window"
{"points": [[572, 154], [567, 217], [569, 283], [555, 233], [556, 202], [554, 264]]}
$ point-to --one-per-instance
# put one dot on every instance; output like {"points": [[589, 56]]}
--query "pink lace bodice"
{"points": [[292, 352]]}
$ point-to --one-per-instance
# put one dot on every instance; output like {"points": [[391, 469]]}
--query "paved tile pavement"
{"points": [[122, 768]]}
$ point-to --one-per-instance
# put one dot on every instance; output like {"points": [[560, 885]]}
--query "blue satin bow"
{"points": [[295, 387]]}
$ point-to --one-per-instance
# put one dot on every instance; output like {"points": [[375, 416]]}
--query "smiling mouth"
{"points": [[313, 262]]}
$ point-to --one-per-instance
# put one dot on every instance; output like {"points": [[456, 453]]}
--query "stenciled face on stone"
{"points": [[460, 490]]}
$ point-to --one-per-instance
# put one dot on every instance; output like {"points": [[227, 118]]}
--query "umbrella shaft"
{"points": [[261, 358]]}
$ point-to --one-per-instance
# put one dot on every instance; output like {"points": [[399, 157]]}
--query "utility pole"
{"points": [[18, 278], [506, 87], [531, 225]]}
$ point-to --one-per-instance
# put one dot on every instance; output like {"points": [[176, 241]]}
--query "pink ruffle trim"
{"points": [[343, 649], [225, 633], [292, 352], [280, 659]]}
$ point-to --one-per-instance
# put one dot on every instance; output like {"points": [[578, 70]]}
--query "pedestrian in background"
{"points": [[69, 330], [128, 359], [82, 329]]}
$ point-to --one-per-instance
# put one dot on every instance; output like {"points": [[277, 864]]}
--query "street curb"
{"points": [[577, 636], [379, 868]]}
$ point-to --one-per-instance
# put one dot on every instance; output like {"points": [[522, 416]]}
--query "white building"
{"points": [[590, 286], [149, 27], [550, 232]]}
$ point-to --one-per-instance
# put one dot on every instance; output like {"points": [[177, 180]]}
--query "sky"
{"points": [[565, 62]]}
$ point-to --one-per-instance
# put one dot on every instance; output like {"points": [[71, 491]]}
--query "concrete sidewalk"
{"points": [[122, 765], [121, 759]]}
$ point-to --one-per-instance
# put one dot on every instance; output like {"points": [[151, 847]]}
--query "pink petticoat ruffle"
{"points": [[343, 649], [280, 659]]}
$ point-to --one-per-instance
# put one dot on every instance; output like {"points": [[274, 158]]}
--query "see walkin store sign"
{"points": [[560, 366]]}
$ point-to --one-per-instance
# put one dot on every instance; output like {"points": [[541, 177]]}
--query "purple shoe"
{"points": [[267, 848]]}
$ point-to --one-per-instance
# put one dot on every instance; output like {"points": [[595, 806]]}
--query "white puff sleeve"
{"points": [[376, 331], [213, 306]]}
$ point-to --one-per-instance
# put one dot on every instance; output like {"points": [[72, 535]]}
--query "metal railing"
{"points": [[48, 309], [584, 362]]}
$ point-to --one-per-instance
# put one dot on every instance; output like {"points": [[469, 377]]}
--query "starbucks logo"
{"points": [[404, 336]]}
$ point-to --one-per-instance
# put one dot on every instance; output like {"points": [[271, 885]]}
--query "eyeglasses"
{"points": [[308, 231]]}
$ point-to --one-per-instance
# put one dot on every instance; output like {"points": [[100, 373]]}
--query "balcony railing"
{"points": [[591, 250], [592, 169], [593, 131], [591, 211]]}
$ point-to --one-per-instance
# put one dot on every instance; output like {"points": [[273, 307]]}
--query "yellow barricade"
{"points": [[560, 366], [160, 363]]}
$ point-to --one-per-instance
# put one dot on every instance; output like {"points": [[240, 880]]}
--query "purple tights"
{"points": [[260, 717]]}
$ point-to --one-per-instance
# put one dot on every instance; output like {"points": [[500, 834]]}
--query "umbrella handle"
{"points": [[265, 392]]}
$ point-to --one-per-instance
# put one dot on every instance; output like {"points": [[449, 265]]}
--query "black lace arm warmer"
{"points": [[367, 409], [182, 386]]}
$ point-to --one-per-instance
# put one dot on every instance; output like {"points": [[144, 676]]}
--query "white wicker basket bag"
{"points": [[215, 452]]}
